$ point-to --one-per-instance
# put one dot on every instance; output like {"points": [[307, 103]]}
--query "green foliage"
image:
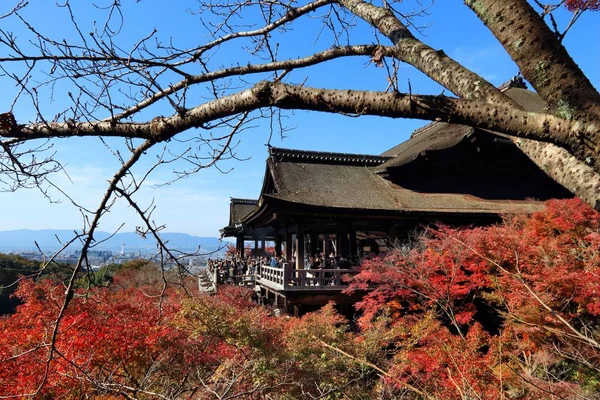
{"points": [[13, 266]]}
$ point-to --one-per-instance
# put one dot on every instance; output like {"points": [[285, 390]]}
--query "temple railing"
{"points": [[277, 277], [213, 277], [241, 280], [286, 278]]}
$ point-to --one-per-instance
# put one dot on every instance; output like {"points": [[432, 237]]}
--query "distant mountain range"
{"points": [[51, 239]]}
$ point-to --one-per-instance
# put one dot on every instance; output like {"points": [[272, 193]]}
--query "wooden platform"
{"points": [[295, 291]]}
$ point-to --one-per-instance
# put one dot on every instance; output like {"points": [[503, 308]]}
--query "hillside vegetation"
{"points": [[509, 311]]}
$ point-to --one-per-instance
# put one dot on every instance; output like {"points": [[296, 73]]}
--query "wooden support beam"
{"points": [[338, 244], [299, 249], [345, 244], [239, 245], [277, 245], [288, 246], [314, 243], [326, 245]]}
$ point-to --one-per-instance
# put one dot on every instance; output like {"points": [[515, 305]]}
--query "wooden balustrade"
{"points": [[238, 280], [213, 277], [318, 277], [286, 278], [272, 276], [241, 280], [289, 279]]}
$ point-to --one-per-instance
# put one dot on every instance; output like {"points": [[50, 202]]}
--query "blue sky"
{"points": [[199, 205]]}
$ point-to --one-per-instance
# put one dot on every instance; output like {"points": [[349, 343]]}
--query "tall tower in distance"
{"points": [[123, 249]]}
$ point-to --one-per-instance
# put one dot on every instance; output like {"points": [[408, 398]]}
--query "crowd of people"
{"points": [[233, 266]]}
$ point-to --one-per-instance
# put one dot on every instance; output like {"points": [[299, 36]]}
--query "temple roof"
{"points": [[240, 208], [442, 135], [328, 179], [357, 182], [279, 154], [306, 178]]}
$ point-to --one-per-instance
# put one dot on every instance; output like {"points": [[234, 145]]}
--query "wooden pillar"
{"points": [[255, 246], [338, 244], [286, 274], [288, 246], [326, 245], [299, 249], [239, 245], [344, 244], [353, 249], [262, 245], [277, 245], [314, 239]]}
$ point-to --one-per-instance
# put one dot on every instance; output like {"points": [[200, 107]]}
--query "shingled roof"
{"points": [[355, 181], [279, 154], [348, 181], [441, 135], [239, 209], [328, 179]]}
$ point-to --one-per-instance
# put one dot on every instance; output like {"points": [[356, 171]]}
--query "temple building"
{"points": [[356, 205]]}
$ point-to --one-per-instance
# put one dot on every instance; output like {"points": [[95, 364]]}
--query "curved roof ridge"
{"points": [[516, 81], [423, 128], [251, 202], [281, 154]]}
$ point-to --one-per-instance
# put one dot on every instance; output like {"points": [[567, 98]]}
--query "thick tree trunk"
{"points": [[468, 85], [510, 120], [565, 169], [433, 63], [541, 57]]}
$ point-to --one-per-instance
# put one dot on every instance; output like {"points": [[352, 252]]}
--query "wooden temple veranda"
{"points": [[357, 205]]}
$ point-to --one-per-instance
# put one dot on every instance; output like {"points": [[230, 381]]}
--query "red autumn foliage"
{"points": [[508, 311], [487, 311], [106, 338], [574, 5], [116, 341], [230, 250]]}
